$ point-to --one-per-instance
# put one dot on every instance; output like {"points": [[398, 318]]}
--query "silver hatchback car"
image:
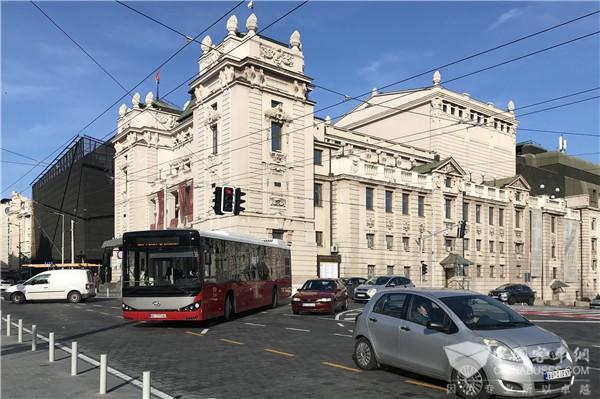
{"points": [[478, 345]]}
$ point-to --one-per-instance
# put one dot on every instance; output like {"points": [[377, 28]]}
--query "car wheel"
{"points": [[530, 301], [275, 298], [295, 311], [364, 356], [333, 306], [511, 300], [74, 297], [228, 308], [18, 298], [470, 381]]}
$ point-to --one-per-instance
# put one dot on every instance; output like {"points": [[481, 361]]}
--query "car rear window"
{"points": [[89, 276]]}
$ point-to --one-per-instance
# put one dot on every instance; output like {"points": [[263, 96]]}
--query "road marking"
{"points": [[340, 324], [115, 307], [427, 385], [203, 332], [193, 333], [596, 346], [297, 329], [230, 341], [594, 368], [280, 353], [265, 312], [342, 335], [339, 366], [104, 313], [118, 317], [89, 310], [255, 324], [97, 306], [352, 331], [564, 321]]}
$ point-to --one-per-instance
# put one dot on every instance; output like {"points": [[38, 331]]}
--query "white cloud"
{"points": [[506, 16]]}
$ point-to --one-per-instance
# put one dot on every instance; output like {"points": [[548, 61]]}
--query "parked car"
{"points": [[472, 341], [324, 295], [513, 293], [352, 283], [70, 284], [5, 283], [595, 303], [365, 291]]}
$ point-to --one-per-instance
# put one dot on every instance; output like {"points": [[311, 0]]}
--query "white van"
{"points": [[72, 285]]}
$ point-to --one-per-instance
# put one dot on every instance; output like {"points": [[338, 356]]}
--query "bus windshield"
{"points": [[169, 268]]}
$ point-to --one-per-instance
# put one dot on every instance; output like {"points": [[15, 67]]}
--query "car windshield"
{"points": [[378, 281], [318, 285], [503, 287], [480, 312]]}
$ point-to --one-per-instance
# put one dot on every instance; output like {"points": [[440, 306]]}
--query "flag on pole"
{"points": [[157, 79]]}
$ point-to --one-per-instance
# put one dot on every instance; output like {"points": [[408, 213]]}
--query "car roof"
{"points": [[434, 292]]}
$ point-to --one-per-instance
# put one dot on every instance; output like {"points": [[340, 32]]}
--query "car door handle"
{"points": [[404, 328], [374, 320]]}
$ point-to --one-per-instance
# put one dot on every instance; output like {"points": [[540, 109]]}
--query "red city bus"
{"points": [[200, 275]]}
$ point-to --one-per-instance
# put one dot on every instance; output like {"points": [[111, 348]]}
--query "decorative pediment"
{"points": [[450, 167], [278, 114], [277, 56], [519, 183]]}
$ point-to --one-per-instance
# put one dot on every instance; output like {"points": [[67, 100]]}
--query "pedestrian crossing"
{"points": [[563, 313]]}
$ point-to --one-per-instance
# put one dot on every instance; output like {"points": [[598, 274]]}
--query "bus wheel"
{"points": [[275, 299], [229, 311]]}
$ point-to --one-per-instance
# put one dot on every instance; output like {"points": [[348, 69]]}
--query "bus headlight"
{"points": [[126, 308], [193, 306]]}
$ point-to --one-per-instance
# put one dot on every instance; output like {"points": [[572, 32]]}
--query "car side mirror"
{"points": [[437, 326]]}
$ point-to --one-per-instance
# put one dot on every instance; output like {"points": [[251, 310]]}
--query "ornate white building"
{"points": [[16, 231], [352, 198]]}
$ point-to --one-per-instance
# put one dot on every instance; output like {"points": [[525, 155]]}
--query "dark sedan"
{"points": [[323, 295], [514, 293]]}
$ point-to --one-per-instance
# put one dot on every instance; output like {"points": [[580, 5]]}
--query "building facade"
{"points": [[74, 197], [378, 192], [16, 231]]}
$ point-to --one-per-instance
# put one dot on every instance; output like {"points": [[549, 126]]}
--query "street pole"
{"points": [[421, 258], [72, 242], [62, 250], [165, 207]]}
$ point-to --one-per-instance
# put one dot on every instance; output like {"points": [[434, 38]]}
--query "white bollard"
{"points": [[146, 385], [73, 358], [107, 292], [51, 347], [33, 338], [20, 331], [8, 325], [103, 374]]}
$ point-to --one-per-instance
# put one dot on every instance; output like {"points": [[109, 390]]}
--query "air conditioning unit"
{"points": [[334, 248]]}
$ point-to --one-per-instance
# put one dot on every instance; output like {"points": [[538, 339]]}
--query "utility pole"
{"points": [[72, 241], [62, 251], [165, 208]]}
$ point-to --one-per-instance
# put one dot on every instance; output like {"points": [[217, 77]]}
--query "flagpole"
{"points": [[157, 79]]}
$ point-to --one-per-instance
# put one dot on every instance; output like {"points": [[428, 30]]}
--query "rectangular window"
{"points": [[319, 238], [553, 252], [389, 195], [553, 224], [478, 245], [318, 158], [491, 247], [215, 139], [318, 197], [518, 196], [449, 245], [405, 199], [421, 206], [519, 248], [501, 271], [406, 244], [448, 208], [594, 244], [500, 217], [478, 270], [448, 182], [369, 198], [492, 271], [466, 244], [491, 216], [501, 247], [277, 184], [407, 271], [593, 224], [594, 264], [518, 269], [554, 270], [518, 219], [477, 213], [465, 214], [390, 270], [370, 241], [389, 242], [276, 136], [277, 234], [370, 271]]}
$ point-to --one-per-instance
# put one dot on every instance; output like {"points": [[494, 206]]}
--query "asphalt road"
{"points": [[268, 353]]}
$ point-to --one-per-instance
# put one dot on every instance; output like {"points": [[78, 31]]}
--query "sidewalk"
{"points": [[29, 375]]}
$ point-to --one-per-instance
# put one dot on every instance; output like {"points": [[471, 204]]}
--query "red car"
{"points": [[324, 295]]}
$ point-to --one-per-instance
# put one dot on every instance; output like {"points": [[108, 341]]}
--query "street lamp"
{"points": [[62, 250]]}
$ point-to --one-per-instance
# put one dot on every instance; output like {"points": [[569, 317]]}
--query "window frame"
{"points": [[276, 138]]}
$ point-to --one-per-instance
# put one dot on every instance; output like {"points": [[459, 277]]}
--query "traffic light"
{"points": [[217, 200], [239, 195], [228, 199], [461, 229], [423, 268]]}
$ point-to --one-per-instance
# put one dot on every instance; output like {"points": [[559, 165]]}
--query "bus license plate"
{"points": [[553, 375], [158, 316], [308, 305]]}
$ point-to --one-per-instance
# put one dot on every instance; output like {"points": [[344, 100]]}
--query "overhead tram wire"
{"points": [[561, 105], [139, 83], [19, 154], [346, 98]]}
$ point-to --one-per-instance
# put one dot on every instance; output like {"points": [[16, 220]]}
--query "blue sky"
{"points": [[51, 90]]}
